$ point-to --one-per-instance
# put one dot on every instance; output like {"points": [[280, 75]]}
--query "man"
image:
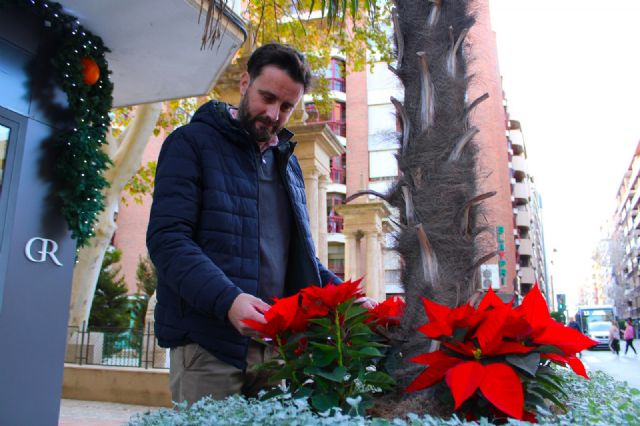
{"points": [[229, 229], [574, 324]]}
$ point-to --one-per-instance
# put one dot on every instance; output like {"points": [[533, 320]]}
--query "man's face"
{"points": [[267, 102]]}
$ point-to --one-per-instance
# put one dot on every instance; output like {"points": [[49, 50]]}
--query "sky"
{"points": [[571, 75]]}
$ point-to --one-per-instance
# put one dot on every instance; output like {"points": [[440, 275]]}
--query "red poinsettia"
{"points": [[480, 347], [320, 300], [387, 313], [281, 317]]}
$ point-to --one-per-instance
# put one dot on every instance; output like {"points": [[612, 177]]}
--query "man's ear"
{"points": [[245, 80]]}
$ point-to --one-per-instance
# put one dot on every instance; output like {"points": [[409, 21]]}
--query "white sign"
{"points": [[490, 276], [47, 248]]}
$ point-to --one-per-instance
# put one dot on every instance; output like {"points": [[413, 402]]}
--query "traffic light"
{"points": [[562, 302]]}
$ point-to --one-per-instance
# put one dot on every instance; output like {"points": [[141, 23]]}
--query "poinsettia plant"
{"points": [[328, 345], [496, 360]]}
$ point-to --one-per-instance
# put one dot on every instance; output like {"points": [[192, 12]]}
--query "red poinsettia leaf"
{"points": [[286, 307], [435, 372], [464, 316], [463, 380], [489, 332], [534, 309], [491, 300], [465, 348], [568, 340], [516, 326], [577, 366], [388, 312], [572, 361], [429, 358], [506, 348], [436, 330], [502, 387], [529, 417], [435, 311], [331, 295]]}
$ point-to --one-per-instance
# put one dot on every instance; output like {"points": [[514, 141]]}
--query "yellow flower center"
{"points": [[477, 353]]}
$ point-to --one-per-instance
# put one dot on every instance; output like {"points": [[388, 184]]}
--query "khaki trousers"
{"points": [[194, 373]]}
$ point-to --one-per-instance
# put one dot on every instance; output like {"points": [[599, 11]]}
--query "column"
{"points": [[311, 189], [374, 265], [323, 237], [351, 257]]}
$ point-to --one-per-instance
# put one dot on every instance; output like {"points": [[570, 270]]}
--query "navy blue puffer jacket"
{"points": [[203, 234]]}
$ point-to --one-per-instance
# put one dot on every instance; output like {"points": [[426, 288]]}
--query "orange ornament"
{"points": [[90, 71]]}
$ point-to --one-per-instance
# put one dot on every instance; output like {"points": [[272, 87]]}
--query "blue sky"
{"points": [[571, 74]]}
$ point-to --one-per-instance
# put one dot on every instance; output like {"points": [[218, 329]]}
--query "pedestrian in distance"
{"points": [[614, 338], [574, 324], [629, 334], [229, 230]]}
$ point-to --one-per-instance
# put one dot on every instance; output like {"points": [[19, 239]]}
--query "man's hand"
{"points": [[367, 302], [246, 306]]}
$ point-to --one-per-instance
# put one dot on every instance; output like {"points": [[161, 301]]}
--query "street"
{"points": [[622, 368]]}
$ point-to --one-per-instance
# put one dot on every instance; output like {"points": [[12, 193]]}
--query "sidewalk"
{"points": [[96, 413]]}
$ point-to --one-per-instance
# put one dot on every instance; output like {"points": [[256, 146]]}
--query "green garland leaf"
{"points": [[80, 162]]}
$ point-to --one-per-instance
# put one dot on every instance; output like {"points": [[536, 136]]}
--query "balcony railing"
{"points": [[334, 224], [337, 84], [337, 175]]}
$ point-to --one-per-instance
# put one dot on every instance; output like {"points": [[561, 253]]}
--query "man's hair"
{"points": [[283, 57]]}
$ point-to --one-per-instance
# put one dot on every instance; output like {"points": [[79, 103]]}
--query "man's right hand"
{"points": [[244, 307]]}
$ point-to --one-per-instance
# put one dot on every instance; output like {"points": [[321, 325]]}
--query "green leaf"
{"points": [[324, 358], [323, 322], [303, 392], [548, 349], [379, 378], [337, 375], [322, 346], [548, 395], [367, 352], [354, 311], [324, 401], [459, 334], [528, 363]]}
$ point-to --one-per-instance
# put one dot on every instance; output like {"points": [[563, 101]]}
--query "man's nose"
{"points": [[273, 112]]}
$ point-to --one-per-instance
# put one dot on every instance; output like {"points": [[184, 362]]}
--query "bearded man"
{"points": [[229, 229]]}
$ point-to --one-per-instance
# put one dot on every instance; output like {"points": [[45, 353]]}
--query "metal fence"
{"points": [[115, 347]]}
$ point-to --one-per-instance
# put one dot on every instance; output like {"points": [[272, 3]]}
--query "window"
{"points": [[4, 144], [336, 75]]}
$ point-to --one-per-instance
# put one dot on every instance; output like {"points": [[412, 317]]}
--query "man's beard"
{"points": [[262, 134]]}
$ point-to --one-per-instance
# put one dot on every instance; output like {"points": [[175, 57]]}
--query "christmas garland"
{"points": [[82, 72]]}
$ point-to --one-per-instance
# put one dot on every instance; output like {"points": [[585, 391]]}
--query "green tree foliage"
{"points": [[357, 29], [558, 316], [147, 281], [110, 308]]}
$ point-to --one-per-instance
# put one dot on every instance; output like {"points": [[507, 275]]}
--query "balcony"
{"points": [[526, 247], [523, 218], [335, 224], [337, 175], [521, 193], [517, 143], [519, 164], [337, 84], [527, 275]]}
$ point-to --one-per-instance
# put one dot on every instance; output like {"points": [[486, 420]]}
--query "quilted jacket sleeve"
{"points": [[182, 265]]}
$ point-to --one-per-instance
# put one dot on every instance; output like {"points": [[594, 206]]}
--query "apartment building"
{"points": [[624, 243], [528, 234]]}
